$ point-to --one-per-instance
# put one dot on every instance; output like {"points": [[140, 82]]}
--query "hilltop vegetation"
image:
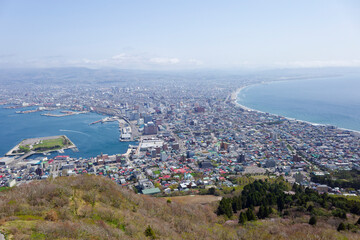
{"points": [[341, 178], [273, 199], [93, 207]]}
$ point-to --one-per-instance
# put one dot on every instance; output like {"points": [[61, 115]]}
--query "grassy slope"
{"points": [[90, 207]]}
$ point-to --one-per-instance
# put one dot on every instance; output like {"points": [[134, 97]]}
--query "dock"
{"points": [[127, 129], [66, 113]]}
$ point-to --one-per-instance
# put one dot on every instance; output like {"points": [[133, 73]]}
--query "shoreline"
{"points": [[234, 94]]}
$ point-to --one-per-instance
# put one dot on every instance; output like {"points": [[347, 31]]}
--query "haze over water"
{"points": [[91, 140], [334, 101]]}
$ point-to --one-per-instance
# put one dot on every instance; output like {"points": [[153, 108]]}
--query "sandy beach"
{"points": [[233, 98]]}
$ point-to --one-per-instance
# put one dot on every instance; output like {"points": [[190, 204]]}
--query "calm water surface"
{"points": [[91, 140], [334, 101]]}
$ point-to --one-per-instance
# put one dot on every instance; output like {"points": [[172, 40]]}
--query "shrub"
{"points": [[312, 220], [341, 227], [149, 232], [51, 216]]}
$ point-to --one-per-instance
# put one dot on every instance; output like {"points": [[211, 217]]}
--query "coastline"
{"points": [[235, 93]]}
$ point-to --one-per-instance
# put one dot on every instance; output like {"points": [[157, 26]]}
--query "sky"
{"points": [[179, 34]]}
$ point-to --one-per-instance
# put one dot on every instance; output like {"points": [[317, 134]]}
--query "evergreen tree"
{"points": [[225, 207], [250, 215], [266, 212], [242, 218], [236, 203], [262, 212], [281, 203], [312, 220]]}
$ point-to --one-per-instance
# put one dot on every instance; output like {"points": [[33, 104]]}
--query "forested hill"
{"points": [[93, 207]]}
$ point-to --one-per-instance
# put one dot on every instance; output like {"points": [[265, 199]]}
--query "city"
{"points": [[185, 138]]}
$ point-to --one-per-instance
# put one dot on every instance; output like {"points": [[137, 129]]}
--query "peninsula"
{"points": [[41, 145]]}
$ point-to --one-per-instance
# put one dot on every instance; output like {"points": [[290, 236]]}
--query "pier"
{"points": [[127, 129], [66, 113]]}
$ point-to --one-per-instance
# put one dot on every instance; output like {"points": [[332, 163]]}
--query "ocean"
{"points": [[91, 140], [334, 100]]}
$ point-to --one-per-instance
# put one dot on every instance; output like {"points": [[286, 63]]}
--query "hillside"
{"points": [[91, 207]]}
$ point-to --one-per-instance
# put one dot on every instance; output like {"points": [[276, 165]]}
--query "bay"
{"points": [[334, 101], [91, 140]]}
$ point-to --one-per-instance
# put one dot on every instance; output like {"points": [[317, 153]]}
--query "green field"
{"points": [[50, 144]]}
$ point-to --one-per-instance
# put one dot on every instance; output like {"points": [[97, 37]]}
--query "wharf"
{"points": [[67, 113], [28, 111]]}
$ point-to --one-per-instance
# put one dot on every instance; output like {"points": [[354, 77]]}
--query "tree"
{"points": [[281, 203], [310, 208], [262, 212], [250, 215], [236, 203], [312, 220], [341, 227], [211, 191], [149, 232], [242, 218], [225, 207]]}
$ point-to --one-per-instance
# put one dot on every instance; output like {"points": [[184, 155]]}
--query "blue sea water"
{"points": [[91, 140], [333, 100]]}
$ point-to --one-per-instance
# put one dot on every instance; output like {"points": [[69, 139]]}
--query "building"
{"points": [[270, 163], [6, 161], [148, 118], [299, 178], [151, 191], [61, 158], [11, 183], [241, 158], [206, 164], [150, 128], [163, 156], [322, 188]]}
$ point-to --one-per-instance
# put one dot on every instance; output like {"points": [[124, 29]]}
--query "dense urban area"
{"points": [[189, 134]]}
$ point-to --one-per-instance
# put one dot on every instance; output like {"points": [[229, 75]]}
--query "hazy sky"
{"points": [[179, 34]]}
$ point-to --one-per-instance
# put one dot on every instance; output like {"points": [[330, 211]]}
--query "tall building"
{"points": [[150, 128], [241, 158]]}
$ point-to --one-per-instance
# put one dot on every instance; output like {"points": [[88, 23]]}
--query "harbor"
{"points": [[125, 128]]}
